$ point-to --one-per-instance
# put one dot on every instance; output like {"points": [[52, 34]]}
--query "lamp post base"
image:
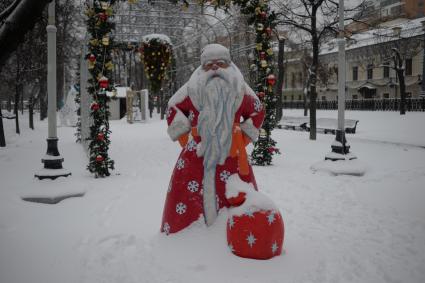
{"points": [[340, 148], [52, 162]]}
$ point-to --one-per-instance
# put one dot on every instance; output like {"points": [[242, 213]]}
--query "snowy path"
{"points": [[338, 229]]}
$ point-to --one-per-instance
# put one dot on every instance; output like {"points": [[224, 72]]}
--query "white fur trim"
{"points": [[179, 126], [250, 130]]}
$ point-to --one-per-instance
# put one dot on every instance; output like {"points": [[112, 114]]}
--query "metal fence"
{"points": [[386, 104]]}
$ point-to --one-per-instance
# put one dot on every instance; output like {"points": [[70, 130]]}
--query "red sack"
{"points": [[257, 234]]}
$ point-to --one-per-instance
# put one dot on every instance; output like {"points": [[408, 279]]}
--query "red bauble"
{"points": [[100, 137], [99, 158], [92, 58], [271, 149], [271, 79], [263, 15], [262, 55], [257, 235], [103, 16], [103, 82], [261, 94], [268, 31], [94, 106]]}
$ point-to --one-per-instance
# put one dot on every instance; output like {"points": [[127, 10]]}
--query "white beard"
{"points": [[215, 121]]}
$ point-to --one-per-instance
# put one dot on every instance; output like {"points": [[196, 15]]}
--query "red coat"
{"points": [[183, 203]]}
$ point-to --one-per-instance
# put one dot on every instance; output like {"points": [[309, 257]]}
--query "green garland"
{"points": [[100, 66]]}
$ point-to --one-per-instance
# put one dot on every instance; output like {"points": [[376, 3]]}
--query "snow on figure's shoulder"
{"points": [[160, 37], [254, 200], [249, 91]]}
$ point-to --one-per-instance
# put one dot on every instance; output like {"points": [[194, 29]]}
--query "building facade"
{"points": [[370, 72]]}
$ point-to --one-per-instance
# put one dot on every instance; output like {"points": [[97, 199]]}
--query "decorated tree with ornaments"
{"points": [[264, 21], [99, 26]]}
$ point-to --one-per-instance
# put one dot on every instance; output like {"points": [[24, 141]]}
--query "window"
{"points": [[408, 95], [292, 80], [324, 98], [355, 96], [386, 70], [408, 71], [369, 71], [292, 97], [284, 97], [300, 97], [355, 73], [386, 95]]}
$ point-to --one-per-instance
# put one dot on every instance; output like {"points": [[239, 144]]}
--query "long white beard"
{"points": [[217, 105], [215, 121]]}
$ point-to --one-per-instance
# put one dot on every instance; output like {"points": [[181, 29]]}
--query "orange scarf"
{"points": [[239, 141]]}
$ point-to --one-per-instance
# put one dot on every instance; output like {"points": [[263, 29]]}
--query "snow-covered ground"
{"points": [[337, 228]]}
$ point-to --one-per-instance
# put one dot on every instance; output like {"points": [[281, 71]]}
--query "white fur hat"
{"points": [[214, 52]]}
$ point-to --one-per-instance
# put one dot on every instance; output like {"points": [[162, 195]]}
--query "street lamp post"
{"points": [[340, 147], [423, 64], [52, 160]]}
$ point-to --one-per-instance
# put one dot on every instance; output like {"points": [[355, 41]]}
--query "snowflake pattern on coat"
{"points": [[193, 186], [189, 167]]}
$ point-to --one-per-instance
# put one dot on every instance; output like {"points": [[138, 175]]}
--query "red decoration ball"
{"points": [[263, 14], [262, 55], [95, 106], [269, 31], [271, 79], [100, 137], [261, 94], [103, 83], [103, 16], [271, 149], [99, 158], [92, 58]]}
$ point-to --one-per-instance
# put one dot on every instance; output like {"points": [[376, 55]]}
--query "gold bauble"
{"points": [[269, 51], [105, 40], [263, 63], [109, 65], [259, 46], [90, 12], [105, 5], [109, 12], [132, 1], [94, 42], [91, 64]]}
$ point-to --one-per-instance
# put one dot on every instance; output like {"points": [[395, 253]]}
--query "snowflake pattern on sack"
{"points": [[193, 186], [224, 175], [271, 218], [251, 239], [180, 164], [166, 228], [275, 247], [257, 105], [181, 208], [191, 145]]}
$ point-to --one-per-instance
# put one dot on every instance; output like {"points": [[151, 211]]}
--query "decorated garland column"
{"points": [[100, 67], [263, 21]]}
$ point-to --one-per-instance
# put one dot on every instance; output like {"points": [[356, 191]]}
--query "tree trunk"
{"points": [[20, 20], [31, 111], [305, 103], [2, 139], [280, 76], [15, 108], [398, 64], [313, 74]]}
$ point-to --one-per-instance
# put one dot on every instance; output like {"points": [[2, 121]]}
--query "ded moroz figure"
{"points": [[213, 116]]}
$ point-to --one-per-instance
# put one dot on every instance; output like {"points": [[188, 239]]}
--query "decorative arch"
{"points": [[99, 26]]}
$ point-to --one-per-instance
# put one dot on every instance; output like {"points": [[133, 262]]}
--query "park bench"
{"points": [[294, 123], [7, 115], [330, 125]]}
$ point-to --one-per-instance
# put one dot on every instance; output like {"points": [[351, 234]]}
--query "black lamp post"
{"points": [[422, 94]]}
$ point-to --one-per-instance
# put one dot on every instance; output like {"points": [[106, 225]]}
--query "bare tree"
{"points": [[318, 20]]}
